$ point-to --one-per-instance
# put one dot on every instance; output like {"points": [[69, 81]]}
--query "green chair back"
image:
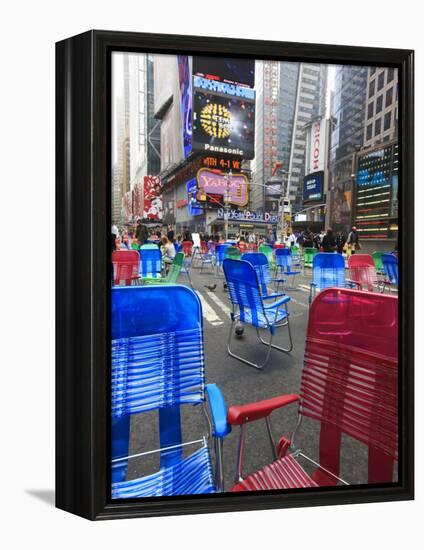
{"points": [[267, 250], [175, 268], [376, 256], [308, 256], [232, 252]]}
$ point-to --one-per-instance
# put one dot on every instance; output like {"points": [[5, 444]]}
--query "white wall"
{"points": [[29, 30]]}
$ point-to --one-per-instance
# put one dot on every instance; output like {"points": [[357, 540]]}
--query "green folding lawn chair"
{"points": [[173, 273], [267, 250]]}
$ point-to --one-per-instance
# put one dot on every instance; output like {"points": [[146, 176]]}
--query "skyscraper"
{"points": [[347, 138], [289, 95]]}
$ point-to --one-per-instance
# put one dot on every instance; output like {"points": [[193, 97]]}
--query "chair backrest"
{"points": [[125, 264], [391, 269], [150, 261], [204, 247], [349, 380], [308, 255], [242, 247], [187, 248], [157, 358], [283, 258], [260, 264], [175, 268], [328, 270], [278, 246], [178, 247], [232, 252], [362, 271], [267, 250], [376, 256], [220, 252], [245, 291]]}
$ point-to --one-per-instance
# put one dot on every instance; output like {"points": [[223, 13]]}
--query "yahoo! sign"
{"points": [[216, 183]]}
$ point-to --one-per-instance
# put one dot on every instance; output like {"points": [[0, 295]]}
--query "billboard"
{"points": [[315, 147], [223, 124], [184, 75], [225, 69], [194, 208], [313, 186], [214, 183], [153, 208]]}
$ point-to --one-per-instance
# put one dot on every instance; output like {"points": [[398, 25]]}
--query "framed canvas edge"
{"points": [[82, 189]]}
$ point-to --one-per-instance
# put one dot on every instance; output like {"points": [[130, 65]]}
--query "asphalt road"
{"points": [[241, 383]]}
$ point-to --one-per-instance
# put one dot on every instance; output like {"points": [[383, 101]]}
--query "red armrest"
{"points": [[240, 414]]}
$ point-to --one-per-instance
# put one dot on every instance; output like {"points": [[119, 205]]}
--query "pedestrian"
{"points": [[170, 234], [168, 250], [352, 242], [329, 241], [308, 238], [114, 235], [141, 233], [340, 242]]}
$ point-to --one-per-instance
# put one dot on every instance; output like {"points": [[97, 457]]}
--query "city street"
{"points": [[241, 383]]}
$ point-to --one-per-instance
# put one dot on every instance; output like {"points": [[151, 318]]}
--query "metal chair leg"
{"points": [[279, 348], [242, 359]]}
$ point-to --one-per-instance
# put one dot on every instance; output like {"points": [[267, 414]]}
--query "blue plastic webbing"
{"points": [[328, 270], [157, 371], [190, 476]]}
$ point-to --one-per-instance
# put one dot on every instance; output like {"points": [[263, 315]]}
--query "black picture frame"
{"points": [[83, 178]]}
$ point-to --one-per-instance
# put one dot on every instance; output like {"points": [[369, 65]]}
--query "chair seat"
{"points": [[190, 476], [285, 473], [257, 318]]}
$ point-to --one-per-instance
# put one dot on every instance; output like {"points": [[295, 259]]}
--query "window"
{"points": [[380, 81], [377, 127], [372, 71], [379, 104], [370, 110], [371, 88], [389, 97], [387, 120], [369, 131], [390, 75]]}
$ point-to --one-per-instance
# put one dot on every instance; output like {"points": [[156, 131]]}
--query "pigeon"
{"points": [[210, 287]]}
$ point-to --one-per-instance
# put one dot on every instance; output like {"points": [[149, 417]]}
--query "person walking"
{"points": [[340, 242], [141, 233], [170, 234], [329, 241], [308, 238], [352, 242]]}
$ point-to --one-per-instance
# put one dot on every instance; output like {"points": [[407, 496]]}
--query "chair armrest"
{"points": [[241, 414], [218, 410], [272, 296], [279, 302]]}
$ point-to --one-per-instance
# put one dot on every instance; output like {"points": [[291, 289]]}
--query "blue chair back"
{"points": [[157, 363], [150, 261], [391, 269], [283, 258], [328, 270], [245, 291], [260, 264], [220, 252], [178, 247]]}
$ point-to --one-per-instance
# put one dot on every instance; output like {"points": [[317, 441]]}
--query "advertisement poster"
{"points": [[313, 186], [223, 124], [236, 185], [153, 209]]}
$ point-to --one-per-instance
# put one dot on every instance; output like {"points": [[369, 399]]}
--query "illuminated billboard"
{"points": [[313, 186], [211, 184], [153, 207], [225, 69], [316, 147], [223, 124]]}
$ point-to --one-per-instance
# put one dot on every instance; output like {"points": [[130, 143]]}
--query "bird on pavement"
{"points": [[210, 287]]}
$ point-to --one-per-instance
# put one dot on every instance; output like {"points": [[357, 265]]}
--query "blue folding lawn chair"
{"points": [[219, 258], [260, 264], [284, 261], [158, 365], [328, 270], [391, 270], [248, 307], [150, 262]]}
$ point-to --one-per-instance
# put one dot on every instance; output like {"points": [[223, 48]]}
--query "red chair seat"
{"points": [[285, 473]]}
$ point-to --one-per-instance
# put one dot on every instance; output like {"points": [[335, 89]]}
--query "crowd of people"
{"points": [[132, 238]]}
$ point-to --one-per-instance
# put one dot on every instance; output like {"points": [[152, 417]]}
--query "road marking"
{"points": [[299, 303], [208, 313], [305, 288], [219, 303]]}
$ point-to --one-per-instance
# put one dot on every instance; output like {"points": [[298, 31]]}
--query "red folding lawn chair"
{"points": [[126, 264], [349, 386], [362, 272]]}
